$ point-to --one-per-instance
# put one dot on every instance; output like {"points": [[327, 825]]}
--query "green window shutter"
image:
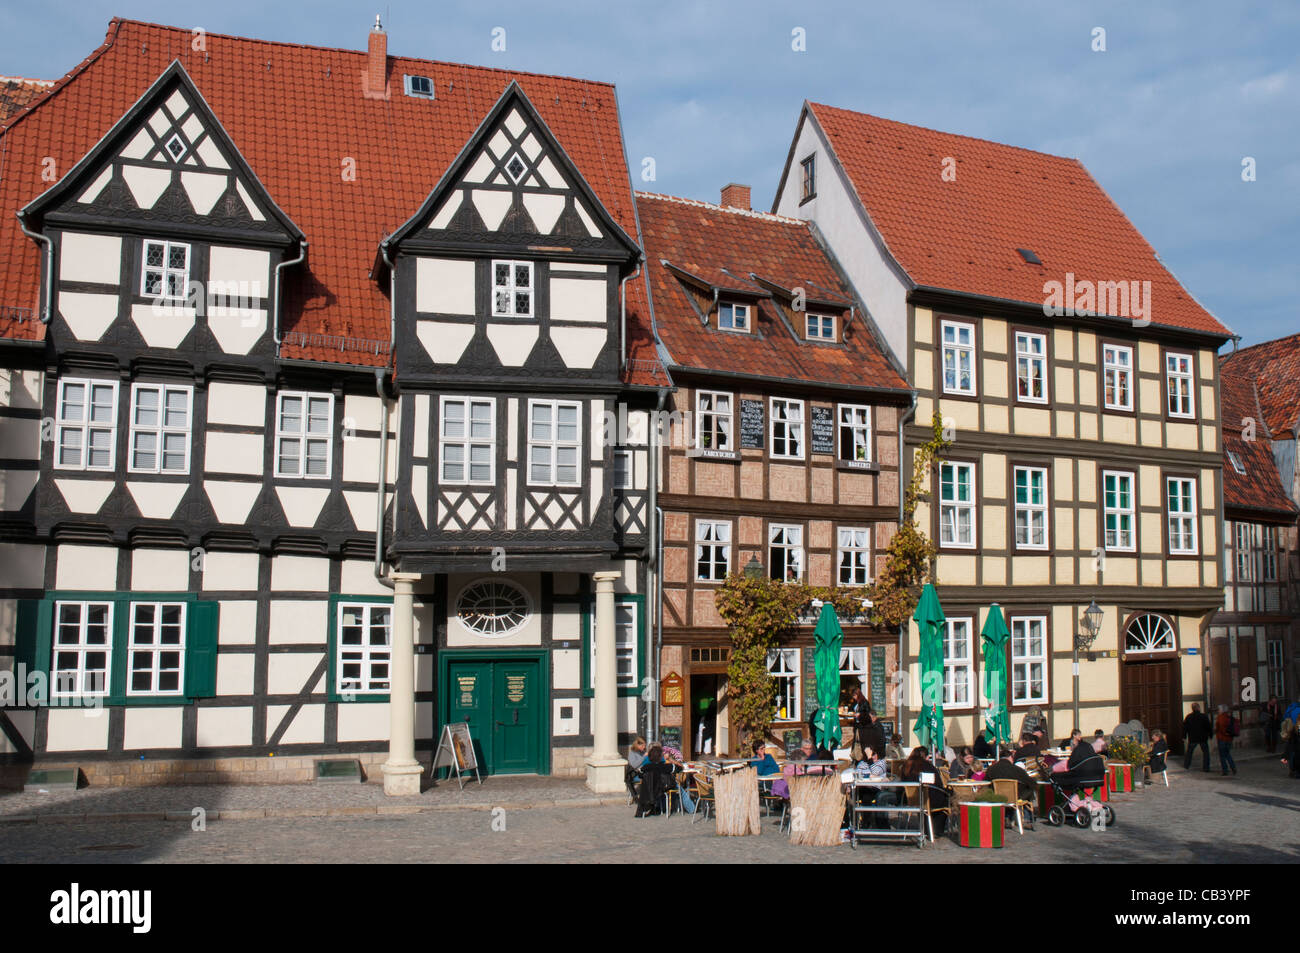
{"points": [[201, 650], [33, 637]]}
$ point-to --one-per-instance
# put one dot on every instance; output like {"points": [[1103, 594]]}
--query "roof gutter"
{"points": [[47, 305], [381, 481], [789, 381], [622, 314], [275, 297]]}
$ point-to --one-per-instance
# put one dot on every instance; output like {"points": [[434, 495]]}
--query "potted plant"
{"points": [[982, 820], [1126, 759]]}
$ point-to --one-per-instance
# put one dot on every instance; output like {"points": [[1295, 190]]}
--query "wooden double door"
{"points": [[504, 702], [1151, 692]]}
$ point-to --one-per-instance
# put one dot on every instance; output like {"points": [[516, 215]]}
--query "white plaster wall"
{"points": [[287, 673], [307, 727], [235, 673], [237, 623], [77, 729], [86, 567], [577, 299], [363, 721], [225, 727], [92, 258], [235, 572], [22, 565], [248, 265], [243, 405], [444, 286], [233, 453], [160, 570], [294, 622], [152, 728], [300, 574], [21, 388], [530, 633]]}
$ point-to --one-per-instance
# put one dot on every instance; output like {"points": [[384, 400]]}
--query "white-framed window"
{"points": [[626, 629], [855, 432], [957, 505], [1031, 367], [958, 358], [160, 428], [808, 177], [1118, 510], [156, 649], [787, 428], [1236, 462], [165, 270], [785, 551], [1178, 385], [1268, 553], [1276, 672], [1242, 552], [1180, 494], [467, 440], [714, 412], [512, 289], [712, 550], [554, 442], [1117, 370], [853, 555], [733, 317], [854, 670], [365, 648], [83, 645], [1031, 507], [86, 437], [783, 666], [1028, 660], [1149, 633], [819, 327], [623, 469], [304, 434], [958, 663]]}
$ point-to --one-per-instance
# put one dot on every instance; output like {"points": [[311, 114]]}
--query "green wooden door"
{"points": [[517, 719], [469, 695]]}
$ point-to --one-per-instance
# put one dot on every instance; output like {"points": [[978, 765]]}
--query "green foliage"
{"points": [[989, 796], [1127, 751]]}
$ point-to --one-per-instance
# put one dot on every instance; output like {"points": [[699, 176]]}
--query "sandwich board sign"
{"points": [[456, 752]]}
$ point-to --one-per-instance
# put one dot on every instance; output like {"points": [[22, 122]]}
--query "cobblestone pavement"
{"points": [[1253, 818]]}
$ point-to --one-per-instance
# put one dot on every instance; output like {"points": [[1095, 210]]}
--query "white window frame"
{"points": [[1029, 358], [1188, 519], [792, 422], [811, 320], [367, 655], [1119, 511], [512, 288], [1185, 375], [304, 435], [1243, 551], [706, 410], [958, 350], [788, 538], [854, 422], [808, 176], [155, 650], [1273, 656], [85, 426], [623, 476], [1112, 369], [855, 543], [715, 537], [855, 662], [959, 667], [162, 430], [1268, 554], [165, 272], [554, 444], [81, 648], [467, 442], [626, 659], [1022, 660], [950, 510], [1031, 510], [785, 665], [739, 324]]}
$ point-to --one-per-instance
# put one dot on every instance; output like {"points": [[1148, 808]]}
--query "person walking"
{"points": [[1225, 729], [1271, 716], [1196, 733]]}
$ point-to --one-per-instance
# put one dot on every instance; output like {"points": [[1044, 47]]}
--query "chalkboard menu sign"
{"points": [[792, 740], [751, 424], [823, 430], [888, 727], [671, 737], [878, 678]]}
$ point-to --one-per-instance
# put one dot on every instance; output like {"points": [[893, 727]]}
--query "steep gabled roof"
{"points": [[1274, 367], [298, 116], [17, 93], [963, 234], [1260, 488], [693, 247]]}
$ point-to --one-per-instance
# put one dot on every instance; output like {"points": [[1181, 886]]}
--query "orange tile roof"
{"points": [[1274, 367], [731, 248], [1260, 487], [963, 235], [17, 93], [296, 113]]}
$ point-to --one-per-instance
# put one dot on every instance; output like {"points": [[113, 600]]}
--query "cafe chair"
{"points": [[1009, 788], [704, 800]]}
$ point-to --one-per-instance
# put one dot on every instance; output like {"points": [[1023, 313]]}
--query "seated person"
{"points": [[1069, 743], [1157, 753], [917, 764], [763, 760], [636, 757], [871, 768], [1086, 768], [1100, 735], [656, 780], [894, 751], [1028, 748], [962, 766], [810, 752], [1006, 767], [982, 748]]}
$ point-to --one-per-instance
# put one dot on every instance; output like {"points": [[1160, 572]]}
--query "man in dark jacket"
{"points": [[872, 734], [1196, 731], [1006, 767]]}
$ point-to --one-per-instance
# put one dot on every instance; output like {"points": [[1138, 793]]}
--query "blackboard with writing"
{"points": [[878, 679], [671, 737], [823, 430], [751, 424]]}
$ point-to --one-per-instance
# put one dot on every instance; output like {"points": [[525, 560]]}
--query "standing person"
{"points": [[1225, 729], [1196, 733], [1271, 717], [873, 734], [859, 708]]}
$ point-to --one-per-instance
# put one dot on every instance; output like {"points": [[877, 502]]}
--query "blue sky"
{"points": [[1163, 118]]}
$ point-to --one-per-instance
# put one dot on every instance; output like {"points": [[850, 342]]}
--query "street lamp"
{"points": [[753, 568], [1090, 624]]}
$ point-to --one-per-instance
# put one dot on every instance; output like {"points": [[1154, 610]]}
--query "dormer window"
{"points": [[819, 327], [808, 177], [733, 317], [1236, 463], [421, 87]]}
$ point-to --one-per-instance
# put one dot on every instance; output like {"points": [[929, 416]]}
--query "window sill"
{"points": [[721, 456], [858, 466]]}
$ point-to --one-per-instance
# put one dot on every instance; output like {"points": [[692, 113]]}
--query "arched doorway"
{"points": [[1150, 677]]}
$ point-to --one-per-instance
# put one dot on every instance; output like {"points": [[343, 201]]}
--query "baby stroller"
{"points": [[1079, 807]]}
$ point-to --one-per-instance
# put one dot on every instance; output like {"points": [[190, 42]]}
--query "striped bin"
{"points": [[981, 824], [1099, 793], [1046, 798], [1119, 778]]}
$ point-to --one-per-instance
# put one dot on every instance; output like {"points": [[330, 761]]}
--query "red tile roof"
{"points": [[963, 235], [1274, 366], [731, 248], [17, 93], [1260, 487], [295, 113]]}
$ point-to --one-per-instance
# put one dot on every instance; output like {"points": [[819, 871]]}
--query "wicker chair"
{"points": [[1009, 788]]}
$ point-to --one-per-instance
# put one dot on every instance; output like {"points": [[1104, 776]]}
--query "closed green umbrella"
{"points": [[826, 661], [929, 619], [994, 638]]}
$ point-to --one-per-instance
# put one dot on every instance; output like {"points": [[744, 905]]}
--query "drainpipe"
{"points": [[381, 481], [654, 521], [47, 306], [902, 628], [622, 314], [275, 296]]}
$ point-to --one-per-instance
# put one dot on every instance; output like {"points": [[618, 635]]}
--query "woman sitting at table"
{"points": [[656, 781], [917, 764], [894, 751], [963, 765], [763, 760], [871, 768]]}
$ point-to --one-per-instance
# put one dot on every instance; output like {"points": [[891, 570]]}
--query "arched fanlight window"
{"points": [[493, 608], [1148, 634]]}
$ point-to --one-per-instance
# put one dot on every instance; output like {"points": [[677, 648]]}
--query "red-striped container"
{"points": [[1046, 798], [1119, 778], [1099, 793], [981, 824]]}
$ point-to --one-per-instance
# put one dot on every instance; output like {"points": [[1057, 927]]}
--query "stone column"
{"points": [[605, 766], [401, 770]]}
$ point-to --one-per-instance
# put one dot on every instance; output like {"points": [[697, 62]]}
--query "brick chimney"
{"points": [[374, 81], [736, 196]]}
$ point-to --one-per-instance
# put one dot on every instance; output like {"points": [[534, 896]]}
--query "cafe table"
{"points": [[862, 813]]}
